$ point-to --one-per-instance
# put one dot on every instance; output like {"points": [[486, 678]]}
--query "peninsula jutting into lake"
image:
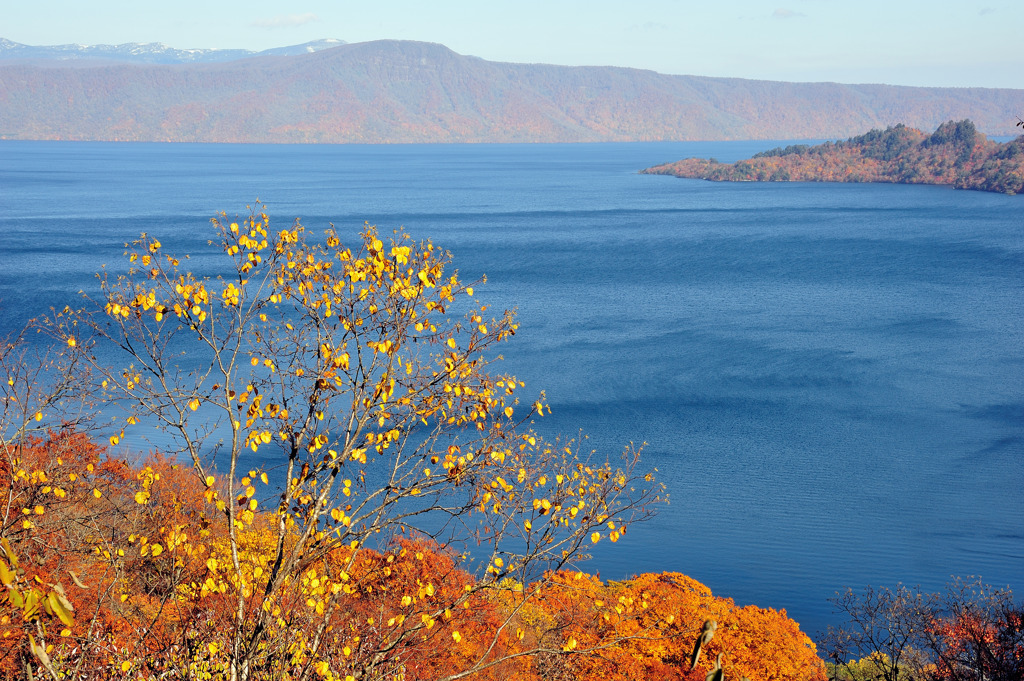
{"points": [[955, 154]]}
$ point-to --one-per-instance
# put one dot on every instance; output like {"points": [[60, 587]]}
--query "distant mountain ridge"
{"points": [[146, 53], [956, 154], [409, 92]]}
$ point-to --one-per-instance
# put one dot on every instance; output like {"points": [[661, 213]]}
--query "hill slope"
{"points": [[397, 91], [955, 154]]}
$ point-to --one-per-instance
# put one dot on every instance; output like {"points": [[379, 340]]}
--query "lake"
{"points": [[829, 378]]}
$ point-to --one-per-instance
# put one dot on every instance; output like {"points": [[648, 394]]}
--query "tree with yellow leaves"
{"points": [[329, 399]]}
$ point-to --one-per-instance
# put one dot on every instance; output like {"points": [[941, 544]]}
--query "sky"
{"points": [[953, 43]]}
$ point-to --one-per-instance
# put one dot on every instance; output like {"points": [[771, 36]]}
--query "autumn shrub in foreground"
{"points": [[74, 519], [359, 379], [140, 612], [349, 491]]}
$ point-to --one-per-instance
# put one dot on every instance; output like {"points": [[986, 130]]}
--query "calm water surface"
{"points": [[830, 378]]}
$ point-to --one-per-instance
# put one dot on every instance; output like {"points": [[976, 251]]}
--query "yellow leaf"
{"points": [[457, 636], [96, 493], [60, 607], [71, 342], [595, 537]]}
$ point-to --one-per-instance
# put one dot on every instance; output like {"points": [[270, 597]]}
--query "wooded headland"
{"points": [[955, 154]]}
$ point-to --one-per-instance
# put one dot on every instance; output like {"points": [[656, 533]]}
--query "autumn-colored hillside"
{"points": [[143, 568], [955, 154], [401, 91]]}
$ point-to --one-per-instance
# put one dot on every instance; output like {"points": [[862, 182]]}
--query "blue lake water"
{"points": [[830, 378]]}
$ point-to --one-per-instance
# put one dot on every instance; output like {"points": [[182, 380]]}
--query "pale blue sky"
{"points": [[904, 42]]}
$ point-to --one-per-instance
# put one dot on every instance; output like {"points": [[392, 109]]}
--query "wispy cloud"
{"points": [[986, 10], [782, 13], [286, 21]]}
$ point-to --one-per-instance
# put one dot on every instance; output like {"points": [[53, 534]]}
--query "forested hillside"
{"points": [[400, 91], [955, 154]]}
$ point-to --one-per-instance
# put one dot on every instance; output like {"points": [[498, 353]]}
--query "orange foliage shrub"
{"points": [[151, 612], [659, 616], [73, 515]]}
